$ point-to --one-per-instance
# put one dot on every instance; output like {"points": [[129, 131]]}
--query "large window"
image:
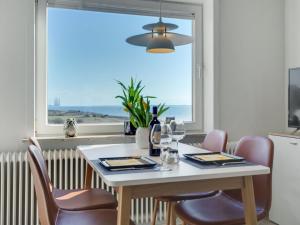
{"points": [[86, 53]]}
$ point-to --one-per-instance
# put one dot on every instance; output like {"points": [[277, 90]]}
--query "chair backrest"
{"points": [[34, 141], [215, 141], [258, 150], [46, 204]]}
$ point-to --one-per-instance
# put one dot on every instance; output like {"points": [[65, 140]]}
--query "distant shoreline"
{"points": [[52, 112], [107, 114], [59, 116]]}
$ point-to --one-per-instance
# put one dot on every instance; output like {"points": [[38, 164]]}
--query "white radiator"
{"points": [[66, 169], [231, 147]]}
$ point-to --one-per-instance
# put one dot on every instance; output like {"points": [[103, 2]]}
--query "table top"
{"points": [[179, 173]]}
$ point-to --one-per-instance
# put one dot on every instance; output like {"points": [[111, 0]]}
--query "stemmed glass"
{"points": [[161, 136], [178, 131]]}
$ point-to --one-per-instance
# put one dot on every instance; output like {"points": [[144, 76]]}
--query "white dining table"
{"points": [[183, 178]]}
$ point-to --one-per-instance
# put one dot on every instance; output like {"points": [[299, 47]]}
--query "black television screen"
{"points": [[294, 98]]}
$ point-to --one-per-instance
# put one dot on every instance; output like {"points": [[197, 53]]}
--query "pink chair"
{"points": [[77, 199], [226, 208], [214, 141]]}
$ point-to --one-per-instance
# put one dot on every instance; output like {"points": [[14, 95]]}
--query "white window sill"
{"points": [[96, 136], [83, 137], [62, 142]]}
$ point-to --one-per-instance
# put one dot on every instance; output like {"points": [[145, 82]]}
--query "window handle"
{"points": [[293, 143], [199, 71]]}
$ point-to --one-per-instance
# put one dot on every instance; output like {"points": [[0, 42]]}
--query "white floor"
{"points": [[264, 222]]}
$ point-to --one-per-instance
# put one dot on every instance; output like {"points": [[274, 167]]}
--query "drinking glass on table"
{"points": [[161, 135], [178, 131]]}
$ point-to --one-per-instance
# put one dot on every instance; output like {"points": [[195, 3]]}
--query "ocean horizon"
{"points": [[180, 112]]}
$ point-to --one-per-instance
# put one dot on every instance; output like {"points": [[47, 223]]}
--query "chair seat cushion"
{"points": [[82, 199], [88, 217], [216, 210], [189, 196]]}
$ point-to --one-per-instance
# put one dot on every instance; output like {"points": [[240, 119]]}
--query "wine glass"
{"points": [[161, 136], [178, 131]]}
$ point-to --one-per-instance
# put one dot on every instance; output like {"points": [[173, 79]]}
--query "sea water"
{"points": [[180, 112]]}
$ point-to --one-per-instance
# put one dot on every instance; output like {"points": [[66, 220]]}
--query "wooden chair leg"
{"points": [[156, 202], [169, 211]]}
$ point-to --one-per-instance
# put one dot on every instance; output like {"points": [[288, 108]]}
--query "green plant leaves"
{"points": [[137, 105], [161, 108]]}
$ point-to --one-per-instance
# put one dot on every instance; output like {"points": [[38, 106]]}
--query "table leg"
{"points": [[173, 214], [88, 176], [168, 216], [124, 206], [249, 201], [156, 203]]}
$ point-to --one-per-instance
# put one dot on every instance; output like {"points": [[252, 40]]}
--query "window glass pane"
{"points": [[87, 53]]}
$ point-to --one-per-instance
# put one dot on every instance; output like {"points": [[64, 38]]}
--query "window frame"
{"points": [[176, 10]]}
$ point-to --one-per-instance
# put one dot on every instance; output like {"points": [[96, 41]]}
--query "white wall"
{"points": [[252, 66], [292, 40], [16, 72], [292, 33]]}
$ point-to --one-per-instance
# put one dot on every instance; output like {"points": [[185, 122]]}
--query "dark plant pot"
{"points": [[129, 129]]}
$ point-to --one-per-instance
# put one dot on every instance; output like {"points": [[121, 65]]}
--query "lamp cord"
{"points": [[160, 11]]}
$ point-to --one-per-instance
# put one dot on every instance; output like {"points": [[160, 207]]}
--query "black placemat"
{"points": [[128, 171], [213, 166]]}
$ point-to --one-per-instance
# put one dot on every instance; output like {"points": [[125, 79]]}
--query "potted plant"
{"points": [[131, 95], [139, 110]]}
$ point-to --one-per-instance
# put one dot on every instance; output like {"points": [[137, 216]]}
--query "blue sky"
{"points": [[87, 52]]}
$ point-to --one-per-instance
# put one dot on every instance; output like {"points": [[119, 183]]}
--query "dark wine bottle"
{"points": [[153, 151]]}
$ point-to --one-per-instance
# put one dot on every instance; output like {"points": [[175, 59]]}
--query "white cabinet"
{"points": [[285, 208]]}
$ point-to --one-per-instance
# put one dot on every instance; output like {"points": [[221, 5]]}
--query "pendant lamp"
{"points": [[160, 39]]}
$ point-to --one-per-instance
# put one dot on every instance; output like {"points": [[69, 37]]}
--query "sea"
{"points": [[180, 112]]}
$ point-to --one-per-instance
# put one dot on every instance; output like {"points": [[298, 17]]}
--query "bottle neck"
{"points": [[154, 116]]}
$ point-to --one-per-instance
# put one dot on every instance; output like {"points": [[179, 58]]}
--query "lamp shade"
{"points": [[160, 40], [160, 44]]}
